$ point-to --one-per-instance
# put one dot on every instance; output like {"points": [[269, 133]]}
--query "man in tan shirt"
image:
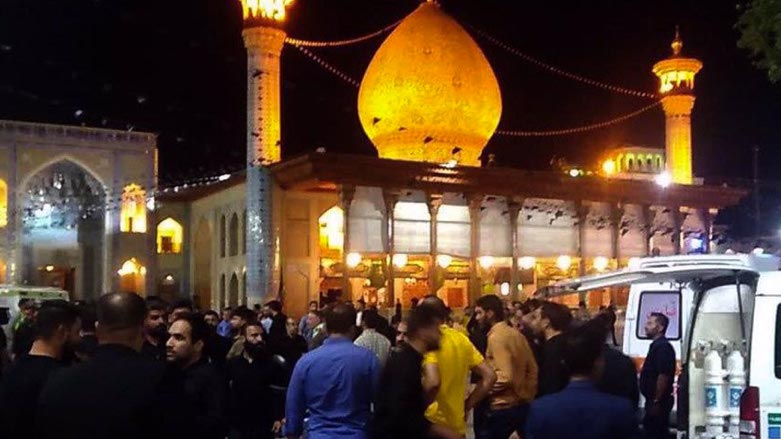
{"points": [[511, 357]]}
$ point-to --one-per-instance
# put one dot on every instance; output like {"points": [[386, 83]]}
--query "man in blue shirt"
{"points": [[580, 410], [333, 386], [224, 327]]}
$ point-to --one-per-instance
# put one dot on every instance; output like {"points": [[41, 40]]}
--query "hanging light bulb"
{"points": [[400, 260], [486, 261], [527, 262], [444, 261], [353, 259], [601, 263], [563, 262]]}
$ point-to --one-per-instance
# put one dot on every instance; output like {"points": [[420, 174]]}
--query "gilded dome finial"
{"points": [[677, 44]]}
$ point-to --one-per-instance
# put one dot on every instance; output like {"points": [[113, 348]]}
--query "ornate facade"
{"points": [[73, 208]]}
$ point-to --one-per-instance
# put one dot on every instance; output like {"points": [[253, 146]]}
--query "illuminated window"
{"points": [[133, 210], [222, 236], [233, 248], [658, 163], [331, 233], [3, 203], [630, 164], [169, 236], [132, 277]]}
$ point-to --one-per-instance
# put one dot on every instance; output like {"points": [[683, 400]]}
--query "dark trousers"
{"points": [[657, 427], [500, 424]]}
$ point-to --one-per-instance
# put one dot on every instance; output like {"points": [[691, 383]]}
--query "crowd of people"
{"points": [[128, 367]]}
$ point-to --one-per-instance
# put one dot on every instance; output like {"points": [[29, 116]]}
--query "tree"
{"points": [[760, 28]]}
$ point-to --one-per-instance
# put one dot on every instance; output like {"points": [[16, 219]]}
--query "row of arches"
{"points": [[230, 244], [640, 162], [233, 291]]}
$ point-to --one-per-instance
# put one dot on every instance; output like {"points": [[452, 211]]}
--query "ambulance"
{"points": [[725, 325], [9, 302]]}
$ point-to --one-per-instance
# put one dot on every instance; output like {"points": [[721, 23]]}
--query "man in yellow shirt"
{"points": [[446, 374]]}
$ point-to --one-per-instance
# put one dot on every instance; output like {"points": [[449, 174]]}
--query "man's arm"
{"points": [[532, 371], [432, 381], [483, 388], [296, 403]]}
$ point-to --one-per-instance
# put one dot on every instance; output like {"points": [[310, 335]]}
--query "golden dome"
{"points": [[429, 93]]}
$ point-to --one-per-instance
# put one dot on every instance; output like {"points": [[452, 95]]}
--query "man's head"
{"points": [[27, 308], [211, 318], [58, 324], [180, 308], [656, 325], [121, 319], [583, 350], [423, 328], [437, 306], [313, 319], [155, 324], [227, 313], [489, 310], [371, 318], [274, 306], [550, 318], [253, 333], [340, 319], [468, 311], [292, 326], [89, 318], [314, 306], [582, 305], [240, 318], [187, 339], [401, 333]]}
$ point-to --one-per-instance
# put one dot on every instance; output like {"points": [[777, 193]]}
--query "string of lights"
{"points": [[581, 129], [558, 71], [510, 133], [340, 43], [329, 67]]}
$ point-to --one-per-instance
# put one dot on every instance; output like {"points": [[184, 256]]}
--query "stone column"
{"points": [[475, 202], [434, 202], [648, 224], [13, 223], [616, 215], [390, 198], [346, 194], [678, 215], [581, 212], [514, 209], [707, 225]]}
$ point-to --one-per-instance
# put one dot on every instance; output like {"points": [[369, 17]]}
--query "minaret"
{"points": [[263, 38], [676, 88]]}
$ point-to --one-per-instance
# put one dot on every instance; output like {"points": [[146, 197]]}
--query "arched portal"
{"points": [[233, 292], [3, 203], [63, 216], [202, 255]]}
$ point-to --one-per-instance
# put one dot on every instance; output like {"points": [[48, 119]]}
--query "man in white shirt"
{"points": [[371, 339]]}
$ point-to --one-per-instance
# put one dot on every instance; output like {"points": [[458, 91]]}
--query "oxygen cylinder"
{"points": [[736, 370], [715, 388]]}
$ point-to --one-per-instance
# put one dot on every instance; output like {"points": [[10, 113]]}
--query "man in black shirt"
{"points": [[204, 388], [399, 411], [23, 332], [549, 322], [57, 326], [656, 378], [119, 393], [155, 333], [252, 409]]}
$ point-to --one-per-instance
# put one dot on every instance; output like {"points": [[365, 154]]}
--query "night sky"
{"points": [[177, 68]]}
